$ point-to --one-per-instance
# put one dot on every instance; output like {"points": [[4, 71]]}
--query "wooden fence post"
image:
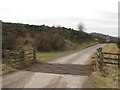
{"points": [[34, 55], [22, 55], [22, 58], [101, 59], [118, 61]]}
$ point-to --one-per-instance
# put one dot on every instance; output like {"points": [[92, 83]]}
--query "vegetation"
{"points": [[109, 77], [50, 42], [46, 56], [44, 38]]}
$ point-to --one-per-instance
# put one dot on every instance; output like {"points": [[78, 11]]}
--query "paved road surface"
{"points": [[31, 79]]}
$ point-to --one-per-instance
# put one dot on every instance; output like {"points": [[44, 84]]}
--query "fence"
{"points": [[102, 59], [20, 57]]}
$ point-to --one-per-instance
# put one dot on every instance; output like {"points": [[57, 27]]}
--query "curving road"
{"points": [[29, 79]]}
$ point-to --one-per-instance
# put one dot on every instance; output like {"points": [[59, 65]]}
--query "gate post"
{"points": [[34, 55], [118, 61], [22, 57], [101, 59]]}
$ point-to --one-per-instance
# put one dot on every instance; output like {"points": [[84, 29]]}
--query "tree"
{"points": [[81, 27]]}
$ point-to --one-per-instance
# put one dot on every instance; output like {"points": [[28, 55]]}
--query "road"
{"points": [[30, 79]]}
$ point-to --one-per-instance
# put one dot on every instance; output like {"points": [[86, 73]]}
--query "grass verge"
{"points": [[109, 77], [47, 56]]}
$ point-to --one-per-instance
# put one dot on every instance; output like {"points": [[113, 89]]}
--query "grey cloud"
{"points": [[107, 23]]}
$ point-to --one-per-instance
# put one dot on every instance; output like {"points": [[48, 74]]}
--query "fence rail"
{"points": [[107, 60], [19, 56], [110, 58], [110, 53]]}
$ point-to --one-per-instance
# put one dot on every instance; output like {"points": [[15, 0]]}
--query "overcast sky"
{"points": [[96, 15]]}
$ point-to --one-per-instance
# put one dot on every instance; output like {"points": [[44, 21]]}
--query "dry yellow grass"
{"points": [[109, 77]]}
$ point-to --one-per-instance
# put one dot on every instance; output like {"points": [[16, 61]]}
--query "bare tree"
{"points": [[81, 27]]}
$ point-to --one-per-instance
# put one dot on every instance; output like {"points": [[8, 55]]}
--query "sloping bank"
{"points": [[108, 78]]}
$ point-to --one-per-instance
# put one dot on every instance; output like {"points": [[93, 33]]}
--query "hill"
{"points": [[102, 37], [44, 38]]}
